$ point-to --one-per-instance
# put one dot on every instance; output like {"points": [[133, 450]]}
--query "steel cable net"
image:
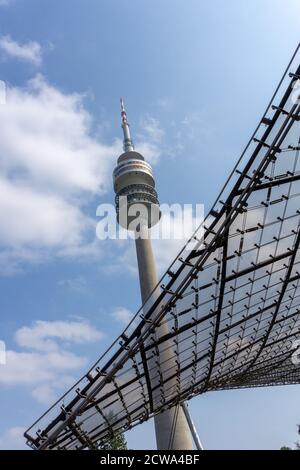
{"points": [[227, 312]]}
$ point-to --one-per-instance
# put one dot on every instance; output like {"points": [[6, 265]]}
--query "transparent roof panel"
{"points": [[226, 313]]}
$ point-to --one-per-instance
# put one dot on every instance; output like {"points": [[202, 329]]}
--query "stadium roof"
{"points": [[225, 315]]}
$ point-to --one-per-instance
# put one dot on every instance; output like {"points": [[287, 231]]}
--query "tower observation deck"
{"points": [[227, 310], [134, 184]]}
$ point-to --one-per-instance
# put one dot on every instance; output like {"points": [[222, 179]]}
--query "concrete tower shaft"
{"points": [[134, 180]]}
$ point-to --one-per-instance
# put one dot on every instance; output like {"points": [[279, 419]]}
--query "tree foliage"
{"points": [[115, 443], [297, 443]]}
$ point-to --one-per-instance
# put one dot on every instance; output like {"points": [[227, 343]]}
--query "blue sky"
{"points": [[196, 77]]}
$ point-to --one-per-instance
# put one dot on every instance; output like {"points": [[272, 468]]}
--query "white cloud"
{"points": [[44, 394], [162, 103], [47, 394], [152, 129], [46, 135], [122, 315], [43, 335], [50, 167], [13, 438], [181, 226], [29, 216], [165, 249], [4, 3], [28, 52], [77, 284], [30, 368], [150, 140], [151, 152], [44, 362], [196, 126]]}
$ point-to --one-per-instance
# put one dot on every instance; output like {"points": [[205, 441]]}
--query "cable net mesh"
{"points": [[226, 313]]}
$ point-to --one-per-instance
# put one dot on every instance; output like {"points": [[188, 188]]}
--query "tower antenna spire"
{"points": [[127, 142]]}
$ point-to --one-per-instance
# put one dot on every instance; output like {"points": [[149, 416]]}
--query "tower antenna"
{"points": [[127, 142]]}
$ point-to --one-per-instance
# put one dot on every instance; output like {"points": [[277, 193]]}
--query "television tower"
{"points": [[134, 186]]}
